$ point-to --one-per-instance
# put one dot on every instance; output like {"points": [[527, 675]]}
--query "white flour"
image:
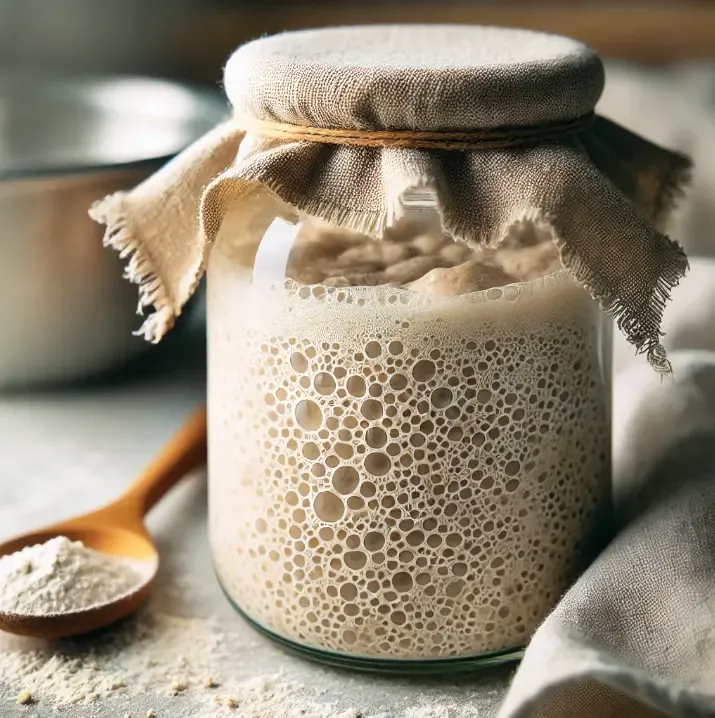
{"points": [[62, 576], [147, 653], [159, 659], [150, 656]]}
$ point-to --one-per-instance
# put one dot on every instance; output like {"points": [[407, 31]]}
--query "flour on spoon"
{"points": [[62, 576]]}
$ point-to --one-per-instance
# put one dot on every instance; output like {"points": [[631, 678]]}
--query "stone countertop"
{"points": [[67, 451]]}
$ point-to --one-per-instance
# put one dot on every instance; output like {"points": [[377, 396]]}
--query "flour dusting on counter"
{"points": [[149, 655], [146, 654]]}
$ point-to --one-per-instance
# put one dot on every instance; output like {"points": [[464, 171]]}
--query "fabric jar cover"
{"points": [[527, 147]]}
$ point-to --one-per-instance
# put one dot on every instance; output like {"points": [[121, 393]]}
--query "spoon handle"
{"points": [[185, 452]]}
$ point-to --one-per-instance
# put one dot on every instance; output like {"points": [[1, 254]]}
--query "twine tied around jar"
{"points": [[481, 139]]}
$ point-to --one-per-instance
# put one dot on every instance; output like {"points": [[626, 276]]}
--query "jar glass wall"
{"points": [[409, 441]]}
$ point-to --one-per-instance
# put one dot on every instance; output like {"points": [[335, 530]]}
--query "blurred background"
{"points": [[190, 39], [660, 57]]}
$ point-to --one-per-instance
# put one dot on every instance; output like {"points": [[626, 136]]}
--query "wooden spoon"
{"points": [[117, 529]]}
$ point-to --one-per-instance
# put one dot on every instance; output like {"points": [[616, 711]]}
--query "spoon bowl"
{"points": [[73, 623], [116, 530]]}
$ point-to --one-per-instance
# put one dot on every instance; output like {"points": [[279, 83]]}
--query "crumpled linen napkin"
{"points": [[635, 636]]}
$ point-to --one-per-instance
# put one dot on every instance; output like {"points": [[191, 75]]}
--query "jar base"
{"points": [[384, 666]]}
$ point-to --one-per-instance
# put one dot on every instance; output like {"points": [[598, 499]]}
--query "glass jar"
{"points": [[409, 373], [409, 439]]}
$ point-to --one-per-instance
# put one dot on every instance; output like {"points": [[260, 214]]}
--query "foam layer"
{"points": [[398, 475]]}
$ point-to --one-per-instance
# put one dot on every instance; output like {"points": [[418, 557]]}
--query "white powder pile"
{"points": [[63, 576]]}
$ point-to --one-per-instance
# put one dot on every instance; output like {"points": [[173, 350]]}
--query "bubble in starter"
{"points": [[324, 383], [356, 385], [346, 479], [374, 541], [328, 506], [377, 463], [402, 581], [441, 397], [311, 450], [373, 349], [355, 559], [308, 415], [375, 437], [371, 409], [423, 370], [299, 362]]}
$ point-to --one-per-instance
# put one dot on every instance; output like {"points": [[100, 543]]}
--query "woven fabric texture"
{"points": [[604, 192]]}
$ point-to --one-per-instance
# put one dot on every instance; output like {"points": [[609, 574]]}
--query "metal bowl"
{"points": [[64, 143]]}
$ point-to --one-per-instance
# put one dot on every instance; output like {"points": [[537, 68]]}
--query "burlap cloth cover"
{"points": [[602, 190]]}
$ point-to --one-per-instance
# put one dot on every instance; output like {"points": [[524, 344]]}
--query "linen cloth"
{"points": [[603, 191]]}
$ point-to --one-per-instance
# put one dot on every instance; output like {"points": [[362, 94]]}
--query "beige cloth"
{"points": [[601, 192]]}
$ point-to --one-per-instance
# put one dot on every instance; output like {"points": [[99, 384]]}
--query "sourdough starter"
{"points": [[400, 474]]}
